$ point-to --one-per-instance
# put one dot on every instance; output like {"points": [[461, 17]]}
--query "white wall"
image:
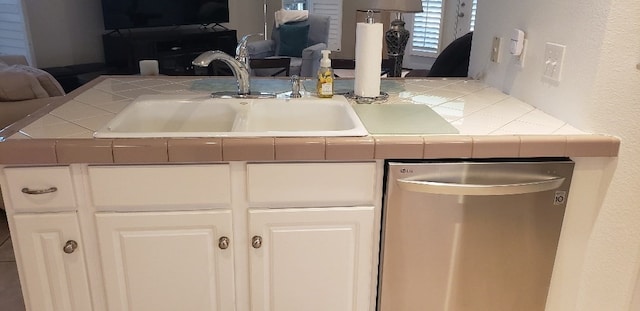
{"points": [[64, 32], [67, 32], [598, 93]]}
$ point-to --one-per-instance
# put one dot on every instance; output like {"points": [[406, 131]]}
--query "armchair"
{"points": [[307, 65], [23, 89]]}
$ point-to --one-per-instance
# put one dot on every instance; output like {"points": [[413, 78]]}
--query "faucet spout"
{"points": [[239, 69], [241, 49]]}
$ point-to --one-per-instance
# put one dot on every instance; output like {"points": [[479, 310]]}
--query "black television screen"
{"points": [[122, 14]]}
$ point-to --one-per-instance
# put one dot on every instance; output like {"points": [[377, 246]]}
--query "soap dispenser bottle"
{"points": [[324, 87]]}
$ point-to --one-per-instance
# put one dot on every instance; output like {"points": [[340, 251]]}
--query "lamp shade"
{"points": [[408, 6]]}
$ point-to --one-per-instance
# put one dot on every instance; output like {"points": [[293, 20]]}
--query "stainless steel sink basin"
{"points": [[190, 116]]}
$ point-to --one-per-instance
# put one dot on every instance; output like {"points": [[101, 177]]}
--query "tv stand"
{"points": [[214, 25], [174, 49]]}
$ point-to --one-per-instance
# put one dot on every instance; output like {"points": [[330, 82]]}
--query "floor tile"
{"points": [[6, 251], [4, 227], [10, 292]]}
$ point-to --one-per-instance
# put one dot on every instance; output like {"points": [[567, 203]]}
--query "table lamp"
{"points": [[397, 36]]}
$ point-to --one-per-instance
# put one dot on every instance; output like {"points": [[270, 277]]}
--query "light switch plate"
{"points": [[495, 49], [553, 60]]}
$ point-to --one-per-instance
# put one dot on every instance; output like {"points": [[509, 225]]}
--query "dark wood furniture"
{"points": [[174, 49], [339, 63], [270, 66]]}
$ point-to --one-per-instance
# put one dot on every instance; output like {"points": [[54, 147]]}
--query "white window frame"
{"points": [[410, 22], [15, 37], [452, 26]]}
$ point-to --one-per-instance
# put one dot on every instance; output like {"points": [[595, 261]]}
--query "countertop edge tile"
{"points": [[84, 151], [299, 148], [202, 150], [248, 149], [350, 148], [398, 147], [28, 151], [194, 149], [592, 146], [543, 145], [140, 150], [447, 146], [496, 146]]}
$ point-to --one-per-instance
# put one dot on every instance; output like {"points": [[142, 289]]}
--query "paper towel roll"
{"points": [[368, 59]]}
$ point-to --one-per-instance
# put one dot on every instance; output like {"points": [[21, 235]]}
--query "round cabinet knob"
{"points": [[256, 241], [70, 246], [223, 242]]}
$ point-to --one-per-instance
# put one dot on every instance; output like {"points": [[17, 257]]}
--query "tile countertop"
{"points": [[490, 124]]}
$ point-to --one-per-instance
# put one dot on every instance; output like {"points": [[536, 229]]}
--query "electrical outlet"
{"points": [[495, 49], [553, 60]]}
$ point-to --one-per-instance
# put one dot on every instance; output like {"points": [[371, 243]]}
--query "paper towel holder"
{"points": [[383, 97]]}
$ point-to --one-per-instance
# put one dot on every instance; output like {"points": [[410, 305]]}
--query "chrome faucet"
{"points": [[239, 69]]}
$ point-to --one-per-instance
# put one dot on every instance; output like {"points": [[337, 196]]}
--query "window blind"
{"points": [[333, 9], [474, 8], [426, 27], [13, 35], [427, 37]]}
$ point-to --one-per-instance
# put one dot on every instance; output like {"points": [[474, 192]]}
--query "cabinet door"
{"points": [[311, 259], [167, 260], [53, 278]]}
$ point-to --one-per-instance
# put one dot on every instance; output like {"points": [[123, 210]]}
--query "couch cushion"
{"points": [[20, 82], [14, 59], [293, 39]]}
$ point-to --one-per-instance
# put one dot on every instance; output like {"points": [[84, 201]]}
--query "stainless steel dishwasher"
{"points": [[471, 235]]}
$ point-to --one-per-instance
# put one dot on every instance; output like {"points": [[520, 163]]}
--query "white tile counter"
{"points": [[470, 106]]}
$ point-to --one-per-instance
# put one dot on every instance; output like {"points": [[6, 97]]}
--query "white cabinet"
{"points": [[167, 260], [159, 187], [53, 270], [312, 232], [229, 236], [40, 189], [311, 259], [41, 208]]}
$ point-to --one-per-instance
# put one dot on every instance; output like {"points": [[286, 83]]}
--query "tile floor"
{"points": [[10, 293]]}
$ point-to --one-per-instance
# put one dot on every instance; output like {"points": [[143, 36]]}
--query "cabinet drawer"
{"points": [[159, 187], [311, 184], [40, 189]]}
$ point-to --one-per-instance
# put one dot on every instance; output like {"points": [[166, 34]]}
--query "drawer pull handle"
{"points": [[223, 242], [70, 246], [256, 241], [39, 191]]}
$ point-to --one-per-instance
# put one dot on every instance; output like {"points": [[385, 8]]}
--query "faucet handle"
{"points": [[295, 87]]}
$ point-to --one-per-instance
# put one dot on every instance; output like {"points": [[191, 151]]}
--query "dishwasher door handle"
{"points": [[438, 187]]}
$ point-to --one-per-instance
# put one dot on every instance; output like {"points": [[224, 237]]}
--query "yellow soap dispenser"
{"points": [[324, 87]]}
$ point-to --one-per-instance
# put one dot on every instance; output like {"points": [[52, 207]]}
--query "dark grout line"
{"points": [[5, 241]]}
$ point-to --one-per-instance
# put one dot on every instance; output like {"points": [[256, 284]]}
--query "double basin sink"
{"points": [[203, 116]]}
